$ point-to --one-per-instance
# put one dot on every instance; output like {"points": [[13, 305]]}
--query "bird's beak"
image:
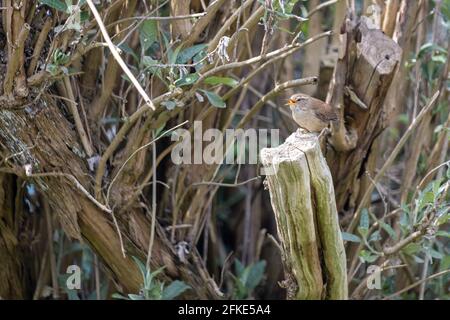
{"points": [[290, 102]]}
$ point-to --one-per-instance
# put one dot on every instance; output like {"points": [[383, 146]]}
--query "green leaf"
{"points": [[430, 47], [135, 297], [150, 285], [386, 227], [55, 4], [84, 16], [160, 129], [412, 248], [238, 267], [148, 33], [436, 187], [148, 62], [444, 216], [255, 275], [173, 55], [445, 263], [439, 59], [428, 197], [187, 80], [141, 266], [52, 69], [197, 58], [221, 80], [436, 254], [364, 220], [126, 48], [214, 99], [365, 256], [187, 54], [404, 220], [443, 233], [118, 296], [375, 236], [169, 104], [350, 237], [363, 228], [174, 290], [239, 292]]}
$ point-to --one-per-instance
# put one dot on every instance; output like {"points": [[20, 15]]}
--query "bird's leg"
{"points": [[325, 132], [323, 138]]}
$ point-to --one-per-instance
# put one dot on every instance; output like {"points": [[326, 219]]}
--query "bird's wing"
{"points": [[327, 114]]}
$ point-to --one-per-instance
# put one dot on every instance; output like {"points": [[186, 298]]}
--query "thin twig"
{"points": [[153, 223], [363, 284], [391, 159], [15, 59], [280, 54], [158, 18], [40, 42], [275, 242], [77, 184], [117, 56], [203, 22], [121, 135], [436, 275], [419, 186], [52, 260], [97, 278], [179, 226], [275, 91], [135, 152], [226, 185], [77, 119], [270, 55], [133, 28], [404, 242], [42, 274], [320, 7]]}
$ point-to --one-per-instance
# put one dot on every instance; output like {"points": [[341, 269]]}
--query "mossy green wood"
{"points": [[302, 196], [327, 219]]}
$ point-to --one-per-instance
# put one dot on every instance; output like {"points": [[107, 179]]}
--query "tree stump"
{"points": [[302, 197]]}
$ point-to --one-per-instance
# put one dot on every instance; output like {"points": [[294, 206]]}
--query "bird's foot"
{"points": [[323, 138], [324, 133]]}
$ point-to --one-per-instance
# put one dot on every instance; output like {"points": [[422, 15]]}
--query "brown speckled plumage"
{"points": [[310, 113]]}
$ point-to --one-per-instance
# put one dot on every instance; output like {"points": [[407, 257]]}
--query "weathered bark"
{"points": [[41, 137], [302, 196], [181, 28], [11, 269], [362, 77], [390, 17]]}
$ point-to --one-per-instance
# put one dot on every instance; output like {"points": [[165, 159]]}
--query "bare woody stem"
{"points": [[16, 57], [390, 160], [279, 88], [39, 46], [121, 135], [77, 119], [117, 56]]}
